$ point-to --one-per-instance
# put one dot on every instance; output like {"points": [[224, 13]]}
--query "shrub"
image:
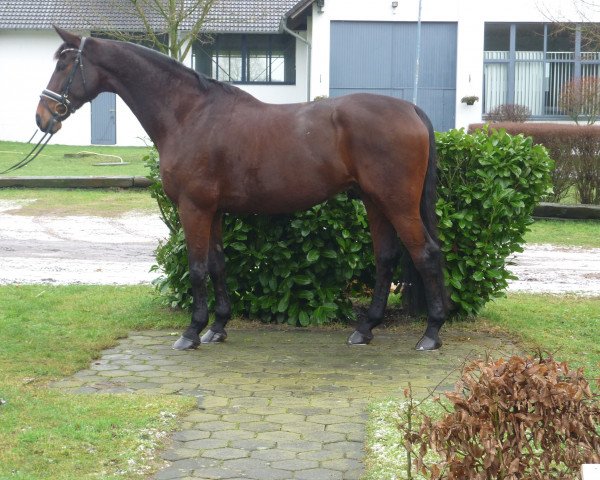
{"points": [[489, 184], [509, 112], [575, 151], [510, 419], [303, 268], [581, 98]]}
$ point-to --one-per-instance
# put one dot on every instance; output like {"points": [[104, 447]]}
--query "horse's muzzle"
{"points": [[47, 125]]}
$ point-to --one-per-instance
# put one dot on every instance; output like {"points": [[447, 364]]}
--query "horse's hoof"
{"points": [[358, 338], [213, 337], [184, 343], [427, 344]]}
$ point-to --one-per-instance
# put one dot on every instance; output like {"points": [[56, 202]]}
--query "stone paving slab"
{"points": [[275, 404]]}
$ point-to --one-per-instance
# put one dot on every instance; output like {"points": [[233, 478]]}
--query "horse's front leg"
{"points": [[196, 226], [216, 270]]}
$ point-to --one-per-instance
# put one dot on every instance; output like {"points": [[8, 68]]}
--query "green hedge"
{"points": [[302, 269], [575, 150], [489, 184]]}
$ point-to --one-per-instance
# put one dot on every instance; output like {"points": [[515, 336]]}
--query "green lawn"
{"points": [[53, 162], [566, 326], [580, 233], [92, 201], [49, 333]]}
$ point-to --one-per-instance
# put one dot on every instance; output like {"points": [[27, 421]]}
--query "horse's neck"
{"points": [[153, 94]]}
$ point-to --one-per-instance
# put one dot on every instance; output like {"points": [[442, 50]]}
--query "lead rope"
{"points": [[34, 134], [32, 154]]}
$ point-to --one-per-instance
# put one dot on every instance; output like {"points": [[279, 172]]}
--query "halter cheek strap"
{"points": [[63, 98]]}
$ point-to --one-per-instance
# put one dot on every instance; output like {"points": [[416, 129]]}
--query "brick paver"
{"points": [[275, 404]]}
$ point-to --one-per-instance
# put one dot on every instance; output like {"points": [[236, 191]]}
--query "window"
{"points": [[261, 59], [530, 64]]}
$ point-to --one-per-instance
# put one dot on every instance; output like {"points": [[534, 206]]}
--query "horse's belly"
{"points": [[291, 199]]}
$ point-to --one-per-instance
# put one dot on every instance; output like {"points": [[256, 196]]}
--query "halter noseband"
{"points": [[63, 98]]}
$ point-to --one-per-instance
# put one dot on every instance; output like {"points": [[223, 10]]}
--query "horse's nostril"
{"points": [[38, 120]]}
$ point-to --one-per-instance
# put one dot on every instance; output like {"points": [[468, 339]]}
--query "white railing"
{"points": [[538, 81]]}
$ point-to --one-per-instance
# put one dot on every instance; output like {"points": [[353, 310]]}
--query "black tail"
{"points": [[414, 292], [429, 195]]}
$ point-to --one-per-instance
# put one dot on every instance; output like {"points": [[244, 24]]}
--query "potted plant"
{"points": [[470, 99]]}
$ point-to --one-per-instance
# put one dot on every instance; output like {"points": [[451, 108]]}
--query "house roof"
{"points": [[226, 16]]}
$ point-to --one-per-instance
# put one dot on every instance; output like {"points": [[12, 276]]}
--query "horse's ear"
{"points": [[69, 38]]}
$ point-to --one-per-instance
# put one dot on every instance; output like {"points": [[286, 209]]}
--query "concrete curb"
{"points": [[570, 212], [543, 210], [75, 182]]}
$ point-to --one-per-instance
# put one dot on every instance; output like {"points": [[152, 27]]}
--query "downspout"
{"points": [[418, 56], [285, 28]]}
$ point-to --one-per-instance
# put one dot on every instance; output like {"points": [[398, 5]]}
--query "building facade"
{"points": [[433, 52]]}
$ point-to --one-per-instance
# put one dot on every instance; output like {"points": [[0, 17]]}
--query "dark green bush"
{"points": [[575, 150], [303, 268], [489, 183]]}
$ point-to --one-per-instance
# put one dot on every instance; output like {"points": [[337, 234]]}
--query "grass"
{"points": [[580, 233], [52, 161], [51, 332], [98, 202], [565, 326], [386, 458]]}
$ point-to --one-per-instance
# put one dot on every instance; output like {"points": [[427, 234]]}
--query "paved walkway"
{"points": [[276, 404]]}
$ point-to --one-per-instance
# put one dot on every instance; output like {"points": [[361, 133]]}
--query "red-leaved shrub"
{"points": [[581, 98], [522, 418], [509, 112]]}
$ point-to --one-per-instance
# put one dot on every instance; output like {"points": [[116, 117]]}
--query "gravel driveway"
{"points": [[107, 251]]}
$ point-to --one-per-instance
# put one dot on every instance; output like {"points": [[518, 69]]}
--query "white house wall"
{"points": [[26, 62], [470, 16]]}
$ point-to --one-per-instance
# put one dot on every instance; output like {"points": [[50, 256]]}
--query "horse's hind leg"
{"points": [[386, 249], [216, 270], [427, 258]]}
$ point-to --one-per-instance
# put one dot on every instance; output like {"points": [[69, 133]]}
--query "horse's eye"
{"points": [[60, 66]]}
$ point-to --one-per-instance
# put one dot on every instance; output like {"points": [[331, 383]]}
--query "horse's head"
{"points": [[70, 86]]}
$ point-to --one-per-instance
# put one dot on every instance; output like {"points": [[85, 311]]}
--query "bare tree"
{"points": [[578, 15], [169, 26], [182, 20], [581, 98]]}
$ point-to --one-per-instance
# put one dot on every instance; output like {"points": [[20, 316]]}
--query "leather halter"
{"points": [[62, 98]]}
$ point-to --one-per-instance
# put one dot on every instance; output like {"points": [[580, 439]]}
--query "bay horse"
{"points": [[222, 150]]}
